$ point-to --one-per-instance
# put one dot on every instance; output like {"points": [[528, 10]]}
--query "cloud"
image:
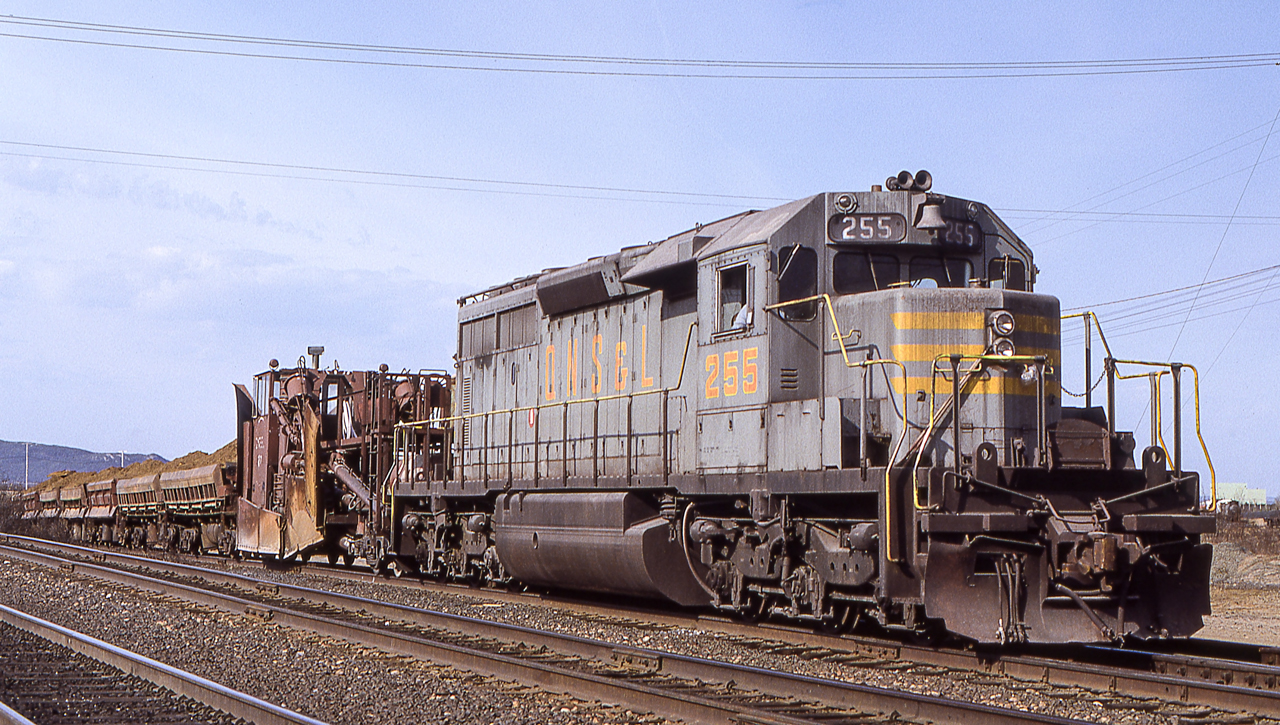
{"points": [[76, 179]]}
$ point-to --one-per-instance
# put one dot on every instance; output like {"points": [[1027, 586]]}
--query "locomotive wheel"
{"points": [[333, 558], [929, 635], [754, 608], [840, 622]]}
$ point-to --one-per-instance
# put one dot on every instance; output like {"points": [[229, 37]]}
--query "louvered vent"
{"points": [[466, 410], [789, 378]]}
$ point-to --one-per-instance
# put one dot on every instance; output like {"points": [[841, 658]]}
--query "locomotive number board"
{"points": [[867, 228], [962, 234]]}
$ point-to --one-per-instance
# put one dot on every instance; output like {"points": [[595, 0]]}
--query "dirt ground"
{"points": [[1246, 584], [1244, 615]]}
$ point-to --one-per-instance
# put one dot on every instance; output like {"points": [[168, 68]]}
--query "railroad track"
{"points": [[1230, 676], [50, 675], [672, 685], [1238, 680]]}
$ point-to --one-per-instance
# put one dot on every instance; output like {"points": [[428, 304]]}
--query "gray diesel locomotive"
{"points": [[845, 408]]}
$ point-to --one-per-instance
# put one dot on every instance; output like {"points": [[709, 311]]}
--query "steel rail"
{"points": [[1229, 681], [207, 692], [684, 699], [1190, 673], [1206, 672], [9, 716]]}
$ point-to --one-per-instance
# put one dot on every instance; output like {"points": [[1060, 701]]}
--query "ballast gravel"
{"points": [[755, 651], [351, 684], [325, 679]]}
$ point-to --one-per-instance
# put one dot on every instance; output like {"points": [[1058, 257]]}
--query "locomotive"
{"points": [[844, 409]]}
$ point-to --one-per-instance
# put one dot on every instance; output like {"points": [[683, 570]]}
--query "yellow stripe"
{"points": [[1006, 385], [1036, 323], [938, 320]]}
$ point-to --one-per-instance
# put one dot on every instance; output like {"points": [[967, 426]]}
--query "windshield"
{"points": [[938, 272]]}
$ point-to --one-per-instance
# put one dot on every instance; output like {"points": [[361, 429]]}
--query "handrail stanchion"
{"points": [[1042, 416], [955, 415], [862, 421], [1088, 362], [1176, 369], [629, 454], [1110, 364], [595, 444], [1155, 407]]}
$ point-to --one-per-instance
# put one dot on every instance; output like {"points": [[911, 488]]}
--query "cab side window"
{"points": [[797, 279], [734, 312]]}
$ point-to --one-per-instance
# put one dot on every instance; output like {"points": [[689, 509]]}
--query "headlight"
{"points": [[1003, 347], [1002, 323]]}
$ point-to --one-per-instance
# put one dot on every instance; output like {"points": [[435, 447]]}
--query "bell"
{"points": [[931, 216]]}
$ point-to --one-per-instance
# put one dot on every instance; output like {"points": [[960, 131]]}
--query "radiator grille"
{"points": [[789, 378]]}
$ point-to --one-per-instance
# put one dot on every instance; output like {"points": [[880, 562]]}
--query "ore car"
{"points": [[101, 514]]}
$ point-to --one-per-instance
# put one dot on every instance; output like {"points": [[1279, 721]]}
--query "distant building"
{"points": [[1241, 493]]}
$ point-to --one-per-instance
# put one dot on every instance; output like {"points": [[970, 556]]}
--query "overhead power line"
{"points": [[1227, 228], [1145, 180], [1163, 293], [376, 177], [1168, 308], [379, 178], [1107, 216], [592, 65]]}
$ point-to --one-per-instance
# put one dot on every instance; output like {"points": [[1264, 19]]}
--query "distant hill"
{"points": [[47, 459]]}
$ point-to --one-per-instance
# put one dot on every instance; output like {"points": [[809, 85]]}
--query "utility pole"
{"points": [[122, 459], [26, 482]]}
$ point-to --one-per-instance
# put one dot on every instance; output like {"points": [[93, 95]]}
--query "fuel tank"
{"points": [[613, 543]]}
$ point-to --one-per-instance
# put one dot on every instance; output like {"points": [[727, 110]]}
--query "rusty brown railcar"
{"points": [[317, 457]]}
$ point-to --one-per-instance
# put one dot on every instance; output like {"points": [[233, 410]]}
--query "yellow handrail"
{"points": [[933, 393], [1157, 412], [839, 338], [1097, 323], [1213, 475]]}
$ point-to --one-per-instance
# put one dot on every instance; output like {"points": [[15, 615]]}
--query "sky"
{"points": [[175, 210]]}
